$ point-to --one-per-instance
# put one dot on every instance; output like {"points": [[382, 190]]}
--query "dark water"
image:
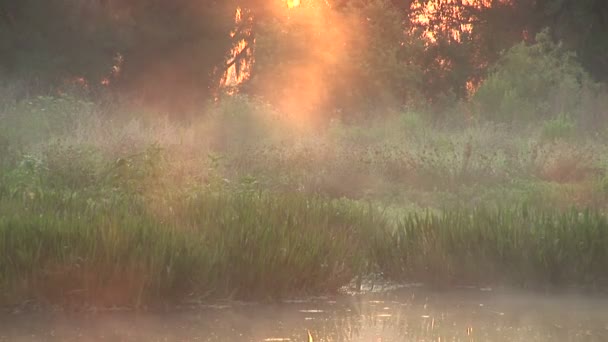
{"points": [[406, 314]]}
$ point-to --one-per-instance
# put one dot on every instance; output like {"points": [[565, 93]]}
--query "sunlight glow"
{"points": [[239, 69], [293, 3], [425, 13]]}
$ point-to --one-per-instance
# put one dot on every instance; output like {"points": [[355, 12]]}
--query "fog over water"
{"points": [[406, 314]]}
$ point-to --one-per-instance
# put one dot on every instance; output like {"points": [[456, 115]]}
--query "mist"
{"points": [[303, 171]]}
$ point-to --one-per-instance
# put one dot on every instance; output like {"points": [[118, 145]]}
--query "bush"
{"points": [[564, 163], [531, 82], [24, 180], [71, 167]]}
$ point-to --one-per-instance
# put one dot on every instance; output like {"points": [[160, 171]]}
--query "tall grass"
{"points": [[110, 211], [511, 245], [257, 245], [401, 159], [223, 244]]}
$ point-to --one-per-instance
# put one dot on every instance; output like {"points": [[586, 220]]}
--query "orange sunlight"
{"points": [[293, 3], [424, 13], [301, 86], [239, 70]]}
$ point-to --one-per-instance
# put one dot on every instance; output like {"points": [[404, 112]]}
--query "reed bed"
{"points": [[98, 212], [220, 245], [501, 246], [264, 245]]}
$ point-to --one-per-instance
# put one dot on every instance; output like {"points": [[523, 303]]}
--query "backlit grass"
{"points": [[243, 245], [507, 246], [133, 212], [262, 245]]}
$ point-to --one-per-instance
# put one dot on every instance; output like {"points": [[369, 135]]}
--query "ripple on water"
{"points": [[420, 314]]}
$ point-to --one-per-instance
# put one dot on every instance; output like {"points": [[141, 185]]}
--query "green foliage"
{"points": [[24, 180], [5, 149], [256, 244], [226, 244], [531, 82], [388, 68], [43, 118], [237, 122], [413, 123], [71, 167], [581, 25], [361, 62], [604, 184], [139, 45], [155, 210], [40, 49], [375, 54], [516, 245], [560, 128], [392, 127]]}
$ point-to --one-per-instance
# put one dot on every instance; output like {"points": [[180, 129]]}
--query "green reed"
{"points": [[514, 245], [222, 244]]}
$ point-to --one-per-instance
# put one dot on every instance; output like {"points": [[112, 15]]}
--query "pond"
{"points": [[400, 314]]}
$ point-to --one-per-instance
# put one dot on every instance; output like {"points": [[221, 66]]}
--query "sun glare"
{"points": [[293, 3], [426, 11]]}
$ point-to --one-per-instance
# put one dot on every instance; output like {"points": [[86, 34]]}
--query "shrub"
{"points": [[71, 167], [531, 82], [564, 163]]}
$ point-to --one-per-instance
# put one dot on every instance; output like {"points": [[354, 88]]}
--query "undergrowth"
{"points": [[97, 211]]}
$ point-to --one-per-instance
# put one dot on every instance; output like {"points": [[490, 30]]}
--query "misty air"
{"points": [[303, 170]]}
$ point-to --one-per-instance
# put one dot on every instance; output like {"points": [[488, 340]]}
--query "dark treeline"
{"points": [[176, 53], [159, 150]]}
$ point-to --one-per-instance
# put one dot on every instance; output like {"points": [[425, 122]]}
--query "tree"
{"points": [[171, 51], [534, 81], [363, 60], [50, 40], [582, 25]]}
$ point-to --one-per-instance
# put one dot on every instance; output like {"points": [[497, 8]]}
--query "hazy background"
{"points": [[152, 149], [315, 58], [444, 100]]}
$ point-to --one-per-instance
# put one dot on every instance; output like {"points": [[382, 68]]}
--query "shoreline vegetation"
{"points": [[259, 245], [97, 212], [157, 151]]}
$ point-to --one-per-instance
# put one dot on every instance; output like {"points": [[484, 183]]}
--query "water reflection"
{"points": [[409, 314]]}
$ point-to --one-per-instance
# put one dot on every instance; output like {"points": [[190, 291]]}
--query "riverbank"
{"points": [[100, 207], [132, 252]]}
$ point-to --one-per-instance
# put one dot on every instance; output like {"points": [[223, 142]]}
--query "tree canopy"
{"points": [[338, 53]]}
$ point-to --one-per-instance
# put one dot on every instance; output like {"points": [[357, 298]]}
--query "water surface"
{"points": [[406, 314]]}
